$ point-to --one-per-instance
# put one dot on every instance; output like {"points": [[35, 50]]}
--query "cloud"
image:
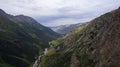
{"points": [[62, 21], [52, 12], [65, 21]]}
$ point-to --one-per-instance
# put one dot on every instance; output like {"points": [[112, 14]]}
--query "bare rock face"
{"points": [[100, 41], [107, 47], [74, 61]]}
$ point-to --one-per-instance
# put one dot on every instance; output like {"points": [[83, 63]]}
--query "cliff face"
{"points": [[96, 44], [99, 41]]}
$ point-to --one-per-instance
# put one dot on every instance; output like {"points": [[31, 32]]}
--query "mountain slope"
{"points": [[21, 40], [96, 44], [64, 29]]}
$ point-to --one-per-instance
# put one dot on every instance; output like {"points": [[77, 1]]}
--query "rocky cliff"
{"points": [[96, 44]]}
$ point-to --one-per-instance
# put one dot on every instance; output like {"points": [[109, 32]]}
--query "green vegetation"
{"points": [[56, 43], [33, 35], [22, 39], [5, 65], [58, 59], [51, 52]]}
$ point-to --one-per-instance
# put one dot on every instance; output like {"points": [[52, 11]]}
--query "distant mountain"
{"points": [[96, 44], [64, 29], [22, 39]]}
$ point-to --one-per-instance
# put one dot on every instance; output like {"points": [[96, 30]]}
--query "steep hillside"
{"points": [[64, 29], [21, 40], [96, 44]]}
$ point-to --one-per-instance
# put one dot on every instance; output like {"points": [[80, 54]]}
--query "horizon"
{"points": [[59, 12]]}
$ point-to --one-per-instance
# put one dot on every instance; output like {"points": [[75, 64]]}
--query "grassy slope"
{"points": [[22, 40]]}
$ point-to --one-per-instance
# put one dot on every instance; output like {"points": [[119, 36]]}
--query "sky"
{"points": [[59, 12]]}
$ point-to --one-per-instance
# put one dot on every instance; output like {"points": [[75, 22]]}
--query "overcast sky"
{"points": [[59, 12]]}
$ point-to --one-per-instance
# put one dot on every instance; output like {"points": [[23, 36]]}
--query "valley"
{"points": [[25, 42]]}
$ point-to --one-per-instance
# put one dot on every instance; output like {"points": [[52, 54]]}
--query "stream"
{"points": [[37, 62]]}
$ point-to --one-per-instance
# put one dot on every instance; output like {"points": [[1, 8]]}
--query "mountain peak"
{"points": [[119, 8], [22, 16], [2, 11]]}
